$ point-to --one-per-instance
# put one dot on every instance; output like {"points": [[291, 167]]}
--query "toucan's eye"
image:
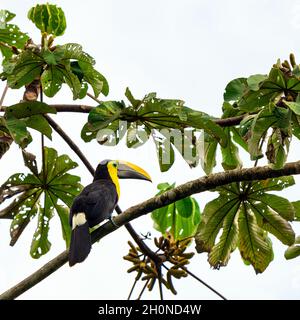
{"points": [[115, 164]]}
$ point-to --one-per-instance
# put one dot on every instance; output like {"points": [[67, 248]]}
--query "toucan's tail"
{"points": [[81, 243]]}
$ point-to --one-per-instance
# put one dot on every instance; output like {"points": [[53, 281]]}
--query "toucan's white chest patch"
{"points": [[78, 220]]}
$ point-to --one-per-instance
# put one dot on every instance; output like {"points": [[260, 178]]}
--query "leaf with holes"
{"points": [[10, 34], [40, 194], [169, 121], [48, 18], [246, 213], [52, 80], [180, 219]]}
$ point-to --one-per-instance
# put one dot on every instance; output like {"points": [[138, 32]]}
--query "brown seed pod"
{"points": [[134, 268], [292, 60], [177, 273], [139, 274], [131, 259], [132, 246], [151, 284], [148, 276]]}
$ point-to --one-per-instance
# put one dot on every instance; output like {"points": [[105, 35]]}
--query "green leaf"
{"points": [[23, 69], [254, 244], [237, 137], [245, 211], [255, 80], [52, 80], [136, 136], [135, 103], [10, 34], [40, 244], [94, 78], [220, 254], [296, 205], [26, 109], [72, 81], [5, 138], [277, 148], [272, 184], [272, 222], [279, 204], [269, 90], [294, 106], [230, 153], [165, 152], [39, 194], [39, 123], [30, 161], [260, 125], [212, 221], [170, 123], [73, 51], [293, 251], [209, 155], [63, 213], [23, 210], [180, 219], [235, 89], [48, 18], [295, 124], [18, 131]]}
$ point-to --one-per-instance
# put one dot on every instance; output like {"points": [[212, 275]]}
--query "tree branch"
{"points": [[182, 191], [227, 122]]}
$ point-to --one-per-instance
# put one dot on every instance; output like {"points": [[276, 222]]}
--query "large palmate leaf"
{"points": [[41, 194], [243, 215], [48, 18], [10, 34], [168, 122], [23, 68], [25, 115], [180, 219]]}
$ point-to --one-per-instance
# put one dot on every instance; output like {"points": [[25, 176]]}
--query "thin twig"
{"points": [[159, 276], [132, 288], [94, 98], [204, 283], [71, 144], [143, 290], [3, 95]]}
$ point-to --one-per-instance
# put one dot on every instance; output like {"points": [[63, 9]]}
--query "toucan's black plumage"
{"points": [[96, 203]]}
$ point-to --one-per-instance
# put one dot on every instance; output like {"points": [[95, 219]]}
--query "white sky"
{"points": [[180, 49]]}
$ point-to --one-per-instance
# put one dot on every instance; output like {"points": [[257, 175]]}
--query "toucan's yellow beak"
{"points": [[127, 170]]}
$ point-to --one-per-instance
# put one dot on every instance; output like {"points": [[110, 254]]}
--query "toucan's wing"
{"points": [[97, 201]]}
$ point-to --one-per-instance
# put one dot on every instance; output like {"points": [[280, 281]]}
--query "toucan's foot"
{"points": [[112, 220]]}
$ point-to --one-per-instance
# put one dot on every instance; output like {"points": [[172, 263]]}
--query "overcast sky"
{"points": [[187, 50]]}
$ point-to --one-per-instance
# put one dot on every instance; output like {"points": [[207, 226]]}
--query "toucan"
{"points": [[96, 202]]}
